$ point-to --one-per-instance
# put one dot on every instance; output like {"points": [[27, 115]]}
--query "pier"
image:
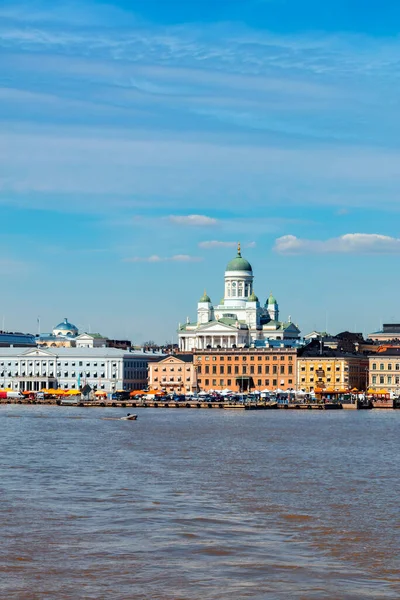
{"points": [[190, 404]]}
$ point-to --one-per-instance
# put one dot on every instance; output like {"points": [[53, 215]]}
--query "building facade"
{"points": [[242, 370], [103, 369], [384, 371], [389, 332], [173, 374], [331, 371], [239, 320]]}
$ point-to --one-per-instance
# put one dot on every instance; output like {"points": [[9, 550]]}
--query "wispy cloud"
{"points": [[155, 258], [351, 243], [193, 220], [211, 244]]}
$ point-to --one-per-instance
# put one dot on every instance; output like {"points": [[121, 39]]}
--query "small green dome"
{"points": [[205, 297], [222, 301], [271, 300], [239, 263], [252, 297]]}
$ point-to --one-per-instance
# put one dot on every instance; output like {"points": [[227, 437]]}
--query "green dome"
{"points": [[252, 297], [239, 263], [205, 297], [271, 300]]}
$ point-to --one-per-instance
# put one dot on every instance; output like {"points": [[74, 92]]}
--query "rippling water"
{"points": [[189, 504]]}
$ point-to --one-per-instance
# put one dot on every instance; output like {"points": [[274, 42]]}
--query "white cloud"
{"points": [[220, 244], [193, 220], [155, 258], [351, 243], [216, 244]]}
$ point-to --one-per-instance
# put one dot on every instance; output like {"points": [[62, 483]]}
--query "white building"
{"points": [[104, 369], [239, 320]]}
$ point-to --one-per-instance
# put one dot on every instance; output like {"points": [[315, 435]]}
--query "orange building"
{"points": [[173, 374], [243, 370]]}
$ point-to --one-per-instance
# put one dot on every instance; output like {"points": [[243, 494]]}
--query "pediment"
{"points": [[216, 327], [36, 352]]}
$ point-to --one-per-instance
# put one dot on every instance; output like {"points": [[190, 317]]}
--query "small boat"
{"points": [[129, 417]]}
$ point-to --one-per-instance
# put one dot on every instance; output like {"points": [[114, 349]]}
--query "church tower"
{"points": [[238, 282], [272, 308], [205, 311]]}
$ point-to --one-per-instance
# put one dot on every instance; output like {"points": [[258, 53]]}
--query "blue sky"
{"points": [[141, 140]]}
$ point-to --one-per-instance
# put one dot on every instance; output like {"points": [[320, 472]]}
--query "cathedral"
{"points": [[239, 321]]}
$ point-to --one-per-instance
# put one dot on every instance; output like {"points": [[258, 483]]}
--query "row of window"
{"points": [[311, 368], [171, 379], [228, 382], [244, 370], [328, 379], [172, 369], [244, 358], [389, 367], [386, 379]]}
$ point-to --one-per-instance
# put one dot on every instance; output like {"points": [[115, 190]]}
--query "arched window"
{"points": [[234, 289]]}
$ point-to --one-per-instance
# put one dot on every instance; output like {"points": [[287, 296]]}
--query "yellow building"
{"points": [[331, 371], [384, 371]]}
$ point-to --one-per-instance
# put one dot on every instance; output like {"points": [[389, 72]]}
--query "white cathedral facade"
{"points": [[239, 321]]}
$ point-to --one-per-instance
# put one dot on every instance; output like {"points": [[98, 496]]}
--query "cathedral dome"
{"points": [[271, 300], [239, 263], [252, 297], [205, 297]]}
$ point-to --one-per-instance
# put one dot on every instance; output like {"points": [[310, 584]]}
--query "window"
{"points": [[244, 369], [221, 369], [274, 382], [397, 366], [80, 363], [259, 370], [236, 370], [214, 382], [373, 378], [229, 381], [389, 366], [206, 382], [389, 379], [267, 382], [275, 369], [374, 366], [259, 382], [229, 371], [252, 369], [282, 369], [381, 367], [290, 369], [214, 370], [381, 379], [251, 357], [267, 369]]}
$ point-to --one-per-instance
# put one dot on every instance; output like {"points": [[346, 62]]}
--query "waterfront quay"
{"points": [[201, 404]]}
